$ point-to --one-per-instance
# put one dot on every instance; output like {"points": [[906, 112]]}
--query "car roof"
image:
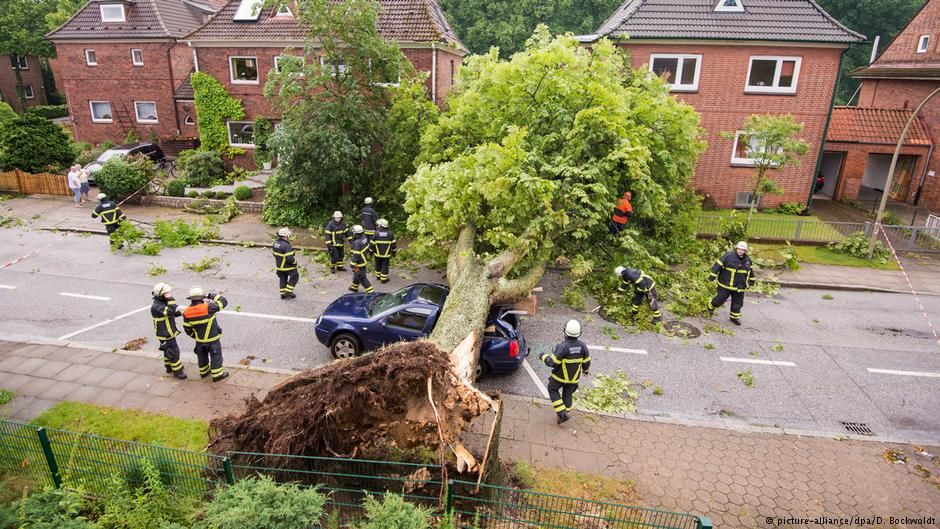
{"points": [[418, 293], [129, 146]]}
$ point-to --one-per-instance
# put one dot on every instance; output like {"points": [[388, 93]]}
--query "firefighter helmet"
{"points": [[357, 229], [381, 223], [368, 201], [196, 293], [284, 232], [619, 271], [102, 196], [160, 289], [741, 246], [573, 328], [337, 214]]}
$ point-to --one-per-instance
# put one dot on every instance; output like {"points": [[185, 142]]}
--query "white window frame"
{"points": [[21, 62], [91, 107], [28, 92], [123, 18], [228, 133], [748, 162], [342, 68], [283, 10], [737, 8], [923, 43], [231, 70], [134, 60], [88, 60], [678, 74], [774, 88], [137, 112]]}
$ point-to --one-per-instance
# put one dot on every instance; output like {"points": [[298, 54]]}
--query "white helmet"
{"points": [[102, 196], [196, 293], [337, 214], [741, 246], [382, 223], [368, 200], [573, 328], [357, 229], [619, 271], [284, 232], [160, 289]]}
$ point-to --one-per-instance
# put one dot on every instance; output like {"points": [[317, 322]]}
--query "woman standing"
{"points": [[83, 179], [75, 184]]}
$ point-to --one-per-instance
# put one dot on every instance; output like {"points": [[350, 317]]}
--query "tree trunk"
{"points": [[464, 313], [20, 89]]}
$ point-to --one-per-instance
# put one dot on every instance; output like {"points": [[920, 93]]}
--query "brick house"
{"points": [[30, 72], [733, 58], [905, 73]]}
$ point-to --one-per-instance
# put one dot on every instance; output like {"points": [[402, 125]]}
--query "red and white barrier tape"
{"points": [[909, 284]]}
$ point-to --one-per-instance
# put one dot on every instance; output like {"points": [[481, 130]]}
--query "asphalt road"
{"points": [[812, 359]]}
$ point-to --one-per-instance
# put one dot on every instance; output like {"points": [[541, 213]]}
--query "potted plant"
{"points": [[262, 134]]}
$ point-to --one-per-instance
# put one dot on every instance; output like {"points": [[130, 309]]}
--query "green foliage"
{"points": [[734, 228], [709, 347], [791, 208], [260, 503], [156, 270], [746, 377], [243, 193], [128, 236], [201, 168], [828, 297], [6, 396], [22, 32], [121, 176], [34, 144], [141, 499], [86, 153], [658, 391], [777, 347], [214, 106], [237, 174], [220, 195], [49, 111], [7, 114], [50, 509], [203, 264], [229, 210], [262, 135], [177, 233], [132, 136], [63, 10], [176, 187], [610, 393], [192, 194], [573, 297], [857, 245], [393, 512], [890, 218]]}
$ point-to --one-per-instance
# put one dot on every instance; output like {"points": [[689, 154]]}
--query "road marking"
{"points": [[618, 349], [535, 378], [270, 316], [112, 320], [907, 373], [754, 361], [7, 287], [84, 296]]}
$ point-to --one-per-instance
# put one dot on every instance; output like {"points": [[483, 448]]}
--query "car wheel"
{"points": [[345, 345], [482, 370]]}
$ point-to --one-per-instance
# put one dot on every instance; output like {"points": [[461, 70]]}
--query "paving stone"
{"points": [[94, 376], [36, 407], [58, 391], [73, 373], [73, 355], [36, 386], [15, 382], [50, 369], [96, 395], [141, 383], [117, 380], [23, 365], [36, 351]]}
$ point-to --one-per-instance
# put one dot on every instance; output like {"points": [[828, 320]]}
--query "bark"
{"points": [[466, 308], [20, 90]]}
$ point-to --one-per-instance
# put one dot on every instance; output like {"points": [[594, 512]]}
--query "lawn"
{"points": [[574, 484], [818, 255], [773, 226], [5, 396]]}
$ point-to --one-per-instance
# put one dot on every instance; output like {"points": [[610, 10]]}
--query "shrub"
{"points": [[193, 194], [260, 503], [49, 111], [791, 208], [201, 168], [242, 193], [34, 144], [220, 195], [262, 133], [120, 176], [145, 503], [52, 509], [7, 114], [856, 245], [237, 174], [176, 233], [208, 194], [176, 187], [88, 153], [393, 512], [891, 218]]}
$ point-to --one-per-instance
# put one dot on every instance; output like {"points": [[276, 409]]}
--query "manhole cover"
{"points": [[858, 428], [896, 332], [681, 329]]}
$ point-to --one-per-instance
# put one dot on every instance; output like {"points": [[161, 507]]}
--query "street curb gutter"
{"points": [[244, 244]]}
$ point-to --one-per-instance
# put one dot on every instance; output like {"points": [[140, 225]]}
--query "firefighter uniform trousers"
{"points": [[336, 235], [734, 276], [643, 287], [569, 359], [384, 246], [369, 217], [110, 214], [285, 266], [200, 324], [164, 313], [357, 259]]}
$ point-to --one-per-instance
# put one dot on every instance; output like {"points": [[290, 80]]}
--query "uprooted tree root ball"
{"points": [[364, 407]]}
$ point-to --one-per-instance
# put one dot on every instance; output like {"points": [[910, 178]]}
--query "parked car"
{"points": [[357, 323], [151, 150]]}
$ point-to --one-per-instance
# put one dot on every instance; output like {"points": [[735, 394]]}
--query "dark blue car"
{"points": [[356, 323]]}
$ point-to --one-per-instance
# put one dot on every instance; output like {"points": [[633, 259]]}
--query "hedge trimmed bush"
{"points": [[260, 503], [220, 195], [201, 168], [242, 193], [49, 111], [176, 188], [121, 176], [34, 144]]}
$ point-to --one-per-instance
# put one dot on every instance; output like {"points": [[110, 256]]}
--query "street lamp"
{"points": [[894, 163]]}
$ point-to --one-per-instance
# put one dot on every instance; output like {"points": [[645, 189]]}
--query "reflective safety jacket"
{"points": [[164, 313], [640, 281], [284, 260], [384, 243], [622, 211], [357, 251], [733, 273], [109, 212], [568, 361], [336, 233], [199, 319], [368, 220]]}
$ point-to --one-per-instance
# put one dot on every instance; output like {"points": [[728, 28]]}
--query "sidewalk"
{"points": [[735, 477]]}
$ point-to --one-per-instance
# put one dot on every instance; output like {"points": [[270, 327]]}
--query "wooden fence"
{"points": [[41, 184]]}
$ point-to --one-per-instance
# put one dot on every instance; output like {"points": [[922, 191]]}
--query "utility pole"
{"points": [[894, 163]]}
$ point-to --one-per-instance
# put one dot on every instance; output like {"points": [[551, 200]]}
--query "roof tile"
{"points": [[875, 125], [145, 19]]}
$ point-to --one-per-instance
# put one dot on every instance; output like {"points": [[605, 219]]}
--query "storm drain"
{"points": [[681, 329], [858, 428]]}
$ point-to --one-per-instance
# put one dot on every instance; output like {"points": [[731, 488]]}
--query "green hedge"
{"points": [[49, 111]]}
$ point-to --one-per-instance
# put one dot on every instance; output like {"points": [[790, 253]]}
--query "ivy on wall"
{"points": [[214, 106]]}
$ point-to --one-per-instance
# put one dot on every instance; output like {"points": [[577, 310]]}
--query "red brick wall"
{"points": [[724, 106], [856, 159], [32, 76], [117, 80], [904, 46], [422, 59]]}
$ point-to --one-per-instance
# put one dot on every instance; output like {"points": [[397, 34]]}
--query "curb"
{"points": [[848, 288], [225, 242]]}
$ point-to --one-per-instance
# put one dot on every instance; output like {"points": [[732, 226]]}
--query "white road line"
{"points": [[112, 320], [7, 287], [535, 378], [269, 316], [84, 296], [755, 361], [907, 373], [618, 349]]}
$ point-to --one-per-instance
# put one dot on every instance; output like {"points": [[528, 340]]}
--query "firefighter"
{"points": [[568, 361], [200, 324], [164, 312], [109, 212], [285, 263], [734, 276], [643, 287], [368, 218], [384, 247], [621, 214], [358, 249], [336, 236]]}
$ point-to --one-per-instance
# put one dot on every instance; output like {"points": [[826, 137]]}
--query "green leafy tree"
{"points": [[120, 177], [22, 30], [773, 145], [531, 153], [34, 144], [7, 114], [214, 106], [61, 11]]}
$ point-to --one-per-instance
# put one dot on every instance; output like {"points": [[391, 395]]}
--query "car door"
{"points": [[406, 324]]}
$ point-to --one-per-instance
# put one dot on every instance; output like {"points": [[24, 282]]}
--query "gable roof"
{"points": [[144, 19], [399, 20], [900, 59], [769, 20], [875, 125]]}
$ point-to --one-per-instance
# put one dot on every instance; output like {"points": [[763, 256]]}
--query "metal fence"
{"points": [[62, 458]]}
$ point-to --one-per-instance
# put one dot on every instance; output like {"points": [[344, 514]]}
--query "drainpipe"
{"points": [[169, 64], [822, 142], [434, 72], [195, 56]]}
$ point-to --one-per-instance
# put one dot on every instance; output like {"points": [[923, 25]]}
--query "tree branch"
{"points": [[460, 253], [500, 265], [511, 291]]}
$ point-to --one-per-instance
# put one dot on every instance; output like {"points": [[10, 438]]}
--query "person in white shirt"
{"points": [[75, 184], [83, 178]]}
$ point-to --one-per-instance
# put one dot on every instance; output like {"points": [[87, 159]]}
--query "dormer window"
{"points": [[730, 5], [923, 43], [283, 10], [112, 13]]}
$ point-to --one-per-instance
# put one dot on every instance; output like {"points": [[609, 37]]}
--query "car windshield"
{"points": [[432, 294], [387, 301], [106, 155]]}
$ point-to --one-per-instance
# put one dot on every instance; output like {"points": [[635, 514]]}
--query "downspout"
{"points": [[434, 72], [169, 64], [195, 55], [822, 142]]}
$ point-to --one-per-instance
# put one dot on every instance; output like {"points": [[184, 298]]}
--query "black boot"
{"points": [[283, 296], [221, 377], [168, 369], [563, 417], [736, 321], [290, 295], [180, 374]]}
